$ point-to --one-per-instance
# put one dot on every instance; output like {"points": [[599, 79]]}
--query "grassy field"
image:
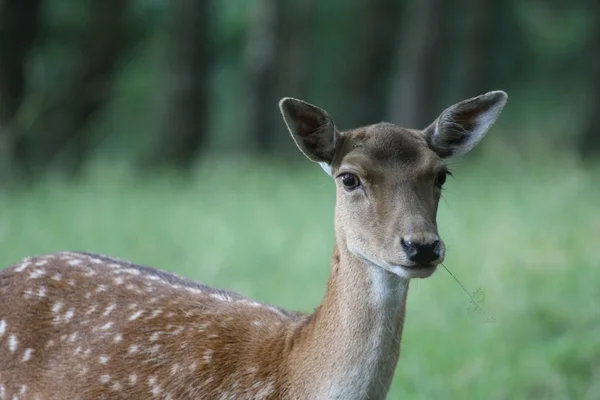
{"points": [[523, 237]]}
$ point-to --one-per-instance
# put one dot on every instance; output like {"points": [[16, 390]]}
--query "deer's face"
{"points": [[388, 187], [389, 178]]}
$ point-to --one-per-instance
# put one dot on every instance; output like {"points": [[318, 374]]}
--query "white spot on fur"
{"points": [[101, 288], [56, 307], [118, 280], [203, 327], [135, 315], [277, 311], [155, 313], [109, 309], [103, 359], [118, 338], [105, 378], [73, 337], [23, 389], [131, 271], [2, 327], [106, 326], [27, 355], [49, 344], [134, 348], [57, 277], [116, 386], [155, 389], [154, 349], [154, 337], [22, 267], [132, 379], [220, 296], [177, 330], [251, 303], [174, 369], [77, 350], [2, 391], [207, 357], [92, 309], [193, 290], [13, 343], [41, 263], [74, 262], [69, 315], [41, 291], [37, 273]]}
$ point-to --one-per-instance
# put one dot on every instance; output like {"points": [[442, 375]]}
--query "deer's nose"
{"points": [[420, 252]]}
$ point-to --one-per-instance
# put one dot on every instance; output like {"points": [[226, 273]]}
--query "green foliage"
{"points": [[521, 238]]}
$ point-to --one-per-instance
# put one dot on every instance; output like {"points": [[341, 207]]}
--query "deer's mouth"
{"points": [[413, 271]]}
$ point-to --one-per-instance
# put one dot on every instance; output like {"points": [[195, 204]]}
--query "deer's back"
{"points": [[78, 325]]}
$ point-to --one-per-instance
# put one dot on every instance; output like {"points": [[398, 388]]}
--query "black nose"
{"points": [[421, 253]]}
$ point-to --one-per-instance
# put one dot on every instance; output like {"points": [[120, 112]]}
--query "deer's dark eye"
{"points": [[440, 179], [350, 181]]}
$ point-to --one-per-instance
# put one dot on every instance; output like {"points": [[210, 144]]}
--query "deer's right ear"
{"points": [[312, 129]]}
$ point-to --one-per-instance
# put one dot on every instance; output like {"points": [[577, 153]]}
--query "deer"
{"points": [[78, 325]]}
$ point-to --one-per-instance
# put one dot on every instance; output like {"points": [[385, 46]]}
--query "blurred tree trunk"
{"points": [[187, 110], [590, 141], [374, 42], [261, 73], [19, 24], [477, 64], [57, 137], [294, 46], [421, 64]]}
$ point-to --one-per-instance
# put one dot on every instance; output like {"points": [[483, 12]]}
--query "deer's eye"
{"points": [[350, 181], [440, 179]]}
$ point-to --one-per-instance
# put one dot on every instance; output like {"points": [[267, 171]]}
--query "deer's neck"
{"points": [[349, 348]]}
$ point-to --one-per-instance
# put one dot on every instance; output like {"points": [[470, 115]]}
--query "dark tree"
{"points": [[187, 103], [475, 67], [276, 64], [294, 48], [19, 25], [374, 42], [260, 73], [57, 137], [421, 64], [590, 141]]}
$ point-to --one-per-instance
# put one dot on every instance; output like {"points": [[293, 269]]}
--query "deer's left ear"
{"points": [[460, 127]]}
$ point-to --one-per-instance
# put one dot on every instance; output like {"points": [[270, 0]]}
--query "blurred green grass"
{"points": [[522, 237]]}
